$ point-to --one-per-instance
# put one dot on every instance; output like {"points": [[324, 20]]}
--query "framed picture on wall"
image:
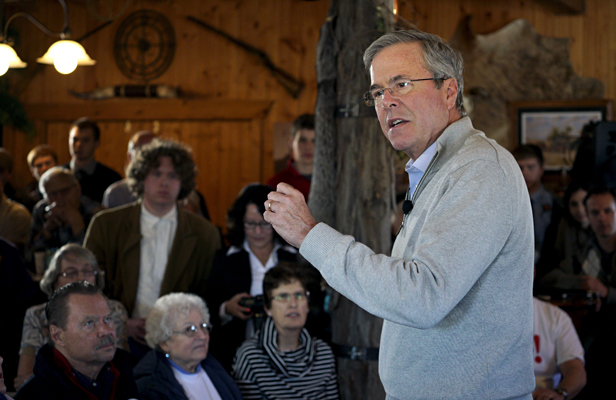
{"points": [[555, 126]]}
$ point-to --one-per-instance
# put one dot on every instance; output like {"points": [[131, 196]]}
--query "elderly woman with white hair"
{"points": [[179, 367], [71, 263]]}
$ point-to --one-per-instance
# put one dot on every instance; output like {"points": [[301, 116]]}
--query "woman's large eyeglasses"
{"points": [[192, 330], [253, 225], [375, 97], [286, 297], [73, 273]]}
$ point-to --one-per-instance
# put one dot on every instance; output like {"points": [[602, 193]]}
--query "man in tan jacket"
{"points": [[153, 247]]}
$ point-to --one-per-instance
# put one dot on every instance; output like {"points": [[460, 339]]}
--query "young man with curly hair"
{"points": [[153, 247]]}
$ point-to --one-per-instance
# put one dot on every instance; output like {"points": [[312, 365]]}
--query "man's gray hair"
{"points": [[71, 250], [439, 58], [167, 310], [52, 172]]}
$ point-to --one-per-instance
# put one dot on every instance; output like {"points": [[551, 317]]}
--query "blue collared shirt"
{"points": [[416, 168]]}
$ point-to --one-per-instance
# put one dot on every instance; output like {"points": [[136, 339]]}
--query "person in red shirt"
{"points": [[298, 172]]}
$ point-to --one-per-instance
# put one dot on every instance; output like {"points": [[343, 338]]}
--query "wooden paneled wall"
{"points": [[211, 69]]}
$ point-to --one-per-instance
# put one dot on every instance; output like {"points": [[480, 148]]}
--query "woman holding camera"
{"points": [[237, 273], [283, 361]]}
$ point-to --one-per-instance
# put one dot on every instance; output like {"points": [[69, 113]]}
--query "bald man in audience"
{"points": [[118, 193]]}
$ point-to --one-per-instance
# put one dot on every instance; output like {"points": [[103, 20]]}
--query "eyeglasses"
{"points": [[374, 97], [253, 225], [73, 273], [286, 297], [192, 330]]}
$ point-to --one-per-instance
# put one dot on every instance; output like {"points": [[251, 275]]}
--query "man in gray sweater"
{"points": [[456, 293]]}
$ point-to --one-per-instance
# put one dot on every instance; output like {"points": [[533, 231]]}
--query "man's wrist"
{"points": [[563, 392]]}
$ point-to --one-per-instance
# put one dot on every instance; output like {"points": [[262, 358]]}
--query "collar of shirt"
{"points": [[149, 220], [88, 168], [246, 247], [182, 370], [415, 169], [235, 249], [101, 387]]}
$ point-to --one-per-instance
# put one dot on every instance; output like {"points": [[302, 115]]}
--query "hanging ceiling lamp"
{"points": [[64, 54]]}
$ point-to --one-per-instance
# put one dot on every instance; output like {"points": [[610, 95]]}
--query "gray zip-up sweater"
{"points": [[456, 294]]}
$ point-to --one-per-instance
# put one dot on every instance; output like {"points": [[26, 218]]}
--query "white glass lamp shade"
{"points": [[9, 59], [66, 55]]}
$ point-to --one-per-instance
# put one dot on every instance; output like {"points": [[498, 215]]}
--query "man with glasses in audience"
{"points": [[82, 360], [456, 293], [60, 218], [153, 247]]}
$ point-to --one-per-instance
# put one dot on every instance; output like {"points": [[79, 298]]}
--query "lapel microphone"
{"points": [[407, 206]]}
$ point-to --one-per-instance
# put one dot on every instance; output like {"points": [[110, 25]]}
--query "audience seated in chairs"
{"points": [[71, 263], [283, 360], [179, 367], [596, 270], [82, 360]]}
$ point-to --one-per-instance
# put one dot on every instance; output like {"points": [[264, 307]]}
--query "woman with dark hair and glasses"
{"points": [[237, 273], [71, 263], [283, 361], [179, 367]]}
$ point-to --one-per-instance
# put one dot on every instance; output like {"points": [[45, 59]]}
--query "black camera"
{"points": [[255, 304]]}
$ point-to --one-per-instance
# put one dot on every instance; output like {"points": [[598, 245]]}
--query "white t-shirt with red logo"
{"points": [[555, 341]]}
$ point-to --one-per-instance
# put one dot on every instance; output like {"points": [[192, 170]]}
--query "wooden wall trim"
{"points": [[151, 109], [571, 7]]}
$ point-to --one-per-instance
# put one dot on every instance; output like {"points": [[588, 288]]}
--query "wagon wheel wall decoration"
{"points": [[144, 45]]}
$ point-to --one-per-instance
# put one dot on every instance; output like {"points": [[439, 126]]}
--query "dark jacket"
{"points": [[94, 185], [230, 275], [51, 380], [155, 379]]}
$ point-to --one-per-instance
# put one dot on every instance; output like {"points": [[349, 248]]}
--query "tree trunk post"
{"points": [[353, 180]]}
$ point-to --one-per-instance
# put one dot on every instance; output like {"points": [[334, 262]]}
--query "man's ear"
{"points": [[451, 88], [57, 335]]}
